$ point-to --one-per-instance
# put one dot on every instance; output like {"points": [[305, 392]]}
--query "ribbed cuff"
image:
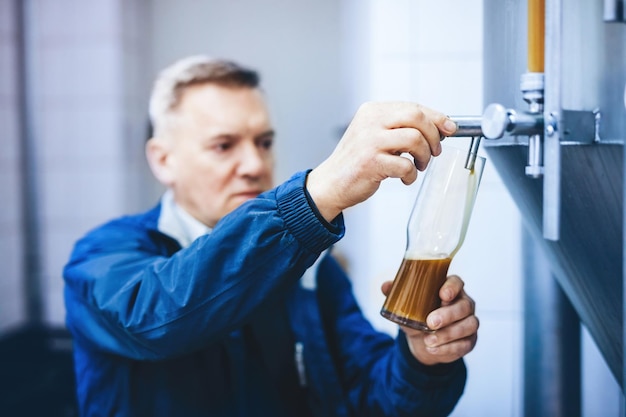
{"points": [[299, 214]]}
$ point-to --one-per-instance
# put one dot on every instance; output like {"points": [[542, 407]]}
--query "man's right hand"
{"points": [[372, 149]]}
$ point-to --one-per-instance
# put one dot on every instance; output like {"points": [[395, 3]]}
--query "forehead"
{"points": [[220, 103]]}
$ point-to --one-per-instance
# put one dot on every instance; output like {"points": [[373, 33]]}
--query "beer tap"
{"points": [[542, 120], [497, 120], [469, 126]]}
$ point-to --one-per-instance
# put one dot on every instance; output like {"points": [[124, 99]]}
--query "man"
{"points": [[223, 300]]}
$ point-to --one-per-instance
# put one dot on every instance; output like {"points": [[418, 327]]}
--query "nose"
{"points": [[254, 161]]}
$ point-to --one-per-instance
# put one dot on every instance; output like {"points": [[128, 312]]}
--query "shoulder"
{"points": [[138, 231]]}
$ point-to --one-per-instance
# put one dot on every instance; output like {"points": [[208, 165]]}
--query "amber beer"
{"points": [[415, 291], [435, 232]]}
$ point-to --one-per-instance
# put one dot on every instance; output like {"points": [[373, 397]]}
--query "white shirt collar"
{"points": [[175, 222]]}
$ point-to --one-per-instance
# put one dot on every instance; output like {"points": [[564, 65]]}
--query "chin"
{"points": [[240, 199], [236, 202]]}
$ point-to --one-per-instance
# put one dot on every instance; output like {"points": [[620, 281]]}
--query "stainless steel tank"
{"points": [[583, 178]]}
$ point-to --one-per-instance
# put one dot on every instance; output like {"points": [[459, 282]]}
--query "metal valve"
{"points": [[498, 120]]}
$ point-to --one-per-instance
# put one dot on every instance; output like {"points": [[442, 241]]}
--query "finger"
{"points": [[386, 287], [444, 316], [397, 166], [406, 139], [429, 122], [460, 330], [445, 125], [421, 159], [409, 140], [455, 350], [451, 289]]}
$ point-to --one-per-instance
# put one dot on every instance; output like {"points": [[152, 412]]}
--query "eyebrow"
{"points": [[270, 132], [231, 136]]}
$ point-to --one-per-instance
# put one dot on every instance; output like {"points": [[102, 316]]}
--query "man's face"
{"points": [[221, 150]]}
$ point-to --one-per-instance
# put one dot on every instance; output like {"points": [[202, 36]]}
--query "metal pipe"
{"points": [[542, 91], [470, 161], [552, 122], [534, 169], [469, 126], [28, 169], [614, 11], [552, 352], [532, 86], [536, 30]]}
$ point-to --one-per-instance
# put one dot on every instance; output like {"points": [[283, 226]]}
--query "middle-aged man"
{"points": [[223, 300]]}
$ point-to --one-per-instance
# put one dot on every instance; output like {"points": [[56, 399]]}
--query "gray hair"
{"points": [[197, 69]]}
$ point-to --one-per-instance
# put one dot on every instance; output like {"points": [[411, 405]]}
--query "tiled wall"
{"points": [[12, 306], [87, 85]]}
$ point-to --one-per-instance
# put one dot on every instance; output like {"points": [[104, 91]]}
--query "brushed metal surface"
{"points": [[587, 259]]}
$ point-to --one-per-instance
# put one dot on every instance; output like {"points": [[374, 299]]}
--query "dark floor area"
{"points": [[36, 373]]}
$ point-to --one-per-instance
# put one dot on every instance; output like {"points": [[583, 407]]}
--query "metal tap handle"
{"points": [[467, 126], [498, 120]]}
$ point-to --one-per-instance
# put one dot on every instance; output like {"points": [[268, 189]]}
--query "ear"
{"points": [[158, 154]]}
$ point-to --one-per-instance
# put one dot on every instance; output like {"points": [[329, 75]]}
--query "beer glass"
{"points": [[435, 232]]}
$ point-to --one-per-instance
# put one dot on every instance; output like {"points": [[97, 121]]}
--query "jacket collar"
{"points": [[175, 222]]}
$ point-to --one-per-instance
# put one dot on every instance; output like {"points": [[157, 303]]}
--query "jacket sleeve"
{"points": [[124, 297], [379, 375]]}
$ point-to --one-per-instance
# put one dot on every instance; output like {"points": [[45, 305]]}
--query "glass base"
{"points": [[405, 321]]}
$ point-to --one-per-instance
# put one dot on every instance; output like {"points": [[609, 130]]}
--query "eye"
{"points": [[266, 141], [267, 144], [223, 146]]}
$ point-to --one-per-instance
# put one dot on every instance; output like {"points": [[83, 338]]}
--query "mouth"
{"points": [[247, 195]]}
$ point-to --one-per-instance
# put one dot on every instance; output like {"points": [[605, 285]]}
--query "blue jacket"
{"points": [[226, 328]]}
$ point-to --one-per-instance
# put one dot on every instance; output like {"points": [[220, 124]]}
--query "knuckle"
{"points": [[475, 323], [465, 346], [366, 107], [367, 104], [468, 329], [418, 113], [468, 305]]}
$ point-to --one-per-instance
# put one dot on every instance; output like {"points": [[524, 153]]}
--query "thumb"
{"points": [[386, 287]]}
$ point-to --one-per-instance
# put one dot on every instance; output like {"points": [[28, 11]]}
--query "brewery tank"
{"points": [[585, 255]]}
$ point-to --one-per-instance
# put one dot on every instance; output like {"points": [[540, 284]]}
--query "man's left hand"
{"points": [[454, 323]]}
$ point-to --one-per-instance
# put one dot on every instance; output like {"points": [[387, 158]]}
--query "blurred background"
{"points": [[74, 82]]}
